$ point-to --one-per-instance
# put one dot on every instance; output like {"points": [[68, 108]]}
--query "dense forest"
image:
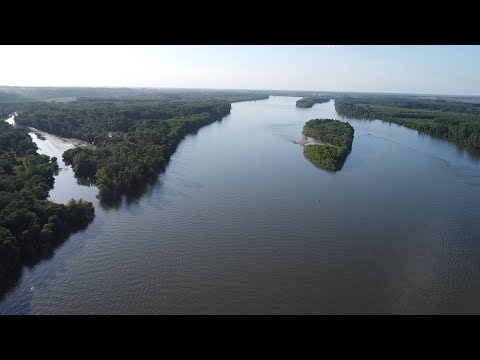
{"points": [[7, 109], [133, 137], [6, 96], [338, 136], [308, 102], [330, 131], [452, 120], [31, 225]]}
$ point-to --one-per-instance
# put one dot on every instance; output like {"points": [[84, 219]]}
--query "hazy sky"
{"points": [[412, 69]]}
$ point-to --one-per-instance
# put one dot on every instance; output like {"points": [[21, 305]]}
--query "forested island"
{"points": [[134, 137], [457, 121], [338, 138], [308, 102], [30, 225]]}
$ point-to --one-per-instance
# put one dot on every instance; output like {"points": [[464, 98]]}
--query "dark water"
{"points": [[241, 222]]}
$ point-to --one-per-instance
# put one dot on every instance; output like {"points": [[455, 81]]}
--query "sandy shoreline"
{"points": [[11, 120], [41, 135], [306, 140]]}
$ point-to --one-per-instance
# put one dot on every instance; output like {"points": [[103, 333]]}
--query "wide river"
{"points": [[240, 222]]}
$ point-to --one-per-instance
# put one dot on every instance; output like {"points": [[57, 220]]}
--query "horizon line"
{"points": [[237, 89]]}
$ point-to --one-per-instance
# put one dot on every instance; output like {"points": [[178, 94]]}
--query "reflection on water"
{"points": [[240, 222]]}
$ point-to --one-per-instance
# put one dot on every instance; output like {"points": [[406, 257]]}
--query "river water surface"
{"points": [[240, 222]]}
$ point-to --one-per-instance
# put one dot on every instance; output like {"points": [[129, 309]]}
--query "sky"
{"points": [[453, 70]]}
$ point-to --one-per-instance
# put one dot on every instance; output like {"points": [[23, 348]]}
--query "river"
{"points": [[241, 222]]}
